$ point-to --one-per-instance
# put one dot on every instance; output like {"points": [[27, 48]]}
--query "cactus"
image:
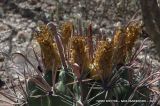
{"points": [[46, 101], [78, 72]]}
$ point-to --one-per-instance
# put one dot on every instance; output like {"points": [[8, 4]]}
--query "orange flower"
{"points": [[48, 48], [119, 47], [79, 53], [103, 59], [66, 32], [132, 34]]}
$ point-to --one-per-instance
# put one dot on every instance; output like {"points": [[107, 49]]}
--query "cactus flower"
{"points": [[48, 48]]}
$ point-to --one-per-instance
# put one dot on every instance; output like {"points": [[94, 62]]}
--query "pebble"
{"points": [[32, 25]]}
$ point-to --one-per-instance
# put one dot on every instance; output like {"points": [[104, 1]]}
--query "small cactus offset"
{"points": [[81, 70]]}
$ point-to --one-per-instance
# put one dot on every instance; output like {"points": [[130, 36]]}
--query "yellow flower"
{"points": [[123, 43], [79, 53], [48, 48], [119, 47], [132, 33], [66, 32], [103, 59]]}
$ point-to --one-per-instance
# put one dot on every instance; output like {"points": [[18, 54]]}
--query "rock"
{"points": [[32, 25], [33, 2], [1, 13], [27, 13], [1, 83]]}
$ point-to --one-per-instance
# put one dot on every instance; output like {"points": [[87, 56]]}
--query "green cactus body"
{"points": [[46, 101], [33, 89], [48, 77]]}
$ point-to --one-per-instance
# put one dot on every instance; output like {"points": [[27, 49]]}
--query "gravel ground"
{"points": [[19, 18]]}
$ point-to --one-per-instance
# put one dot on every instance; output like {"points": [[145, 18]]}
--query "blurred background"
{"points": [[19, 18]]}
